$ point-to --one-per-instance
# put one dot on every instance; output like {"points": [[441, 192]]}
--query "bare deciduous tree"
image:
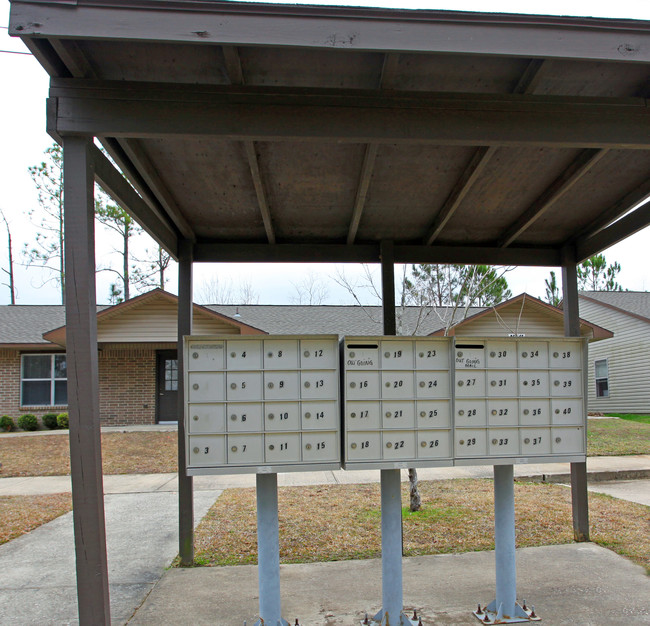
{"points": [[10, 261], [311, 290], [222, 291]]}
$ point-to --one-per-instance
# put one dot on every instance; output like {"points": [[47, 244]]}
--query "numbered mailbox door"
{"points": [[433, 444], [361, 356], [281, 386], [534, 412], [399, 445], [501, 383], [396, 355], [568, 440], [503, 412], [533, 354], [470, 384], [470, 442], [533, 384], [318, 354], [320, 416], [244, 355], [362, 385], [208, 387], [206, 357], [535, 441], [397, 384], [501, 354], [430, 384], [432, 355], [320, 447], [470, 413], [282, 416], [566, 383], [206, 418], [206, 450], [503, 441], [244, 417], [281, 354], [398, 414], [565, 355], [319, 385], [433, 414], [364, 446], [569, 411], [282, 447], [245, 449], [243, 386], [363, 415]]}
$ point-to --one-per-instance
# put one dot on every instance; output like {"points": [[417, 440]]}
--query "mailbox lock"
{"points": [[195, 386], [556, 354], [421, 355], [195, 450], [306, 353], [308, 446], [270, 354], [233, 355], [558, 439], [525, 383], [494, 411], [527, 440], [387, 355], [196, 418], [524, 354], [351, 355], [494, 442], [271, 447], [270, 385], [271, 416], [460, 383], [233, 385], [195, 355], [493, 383], [422, 383], [493, 354], [388, 414], [556, 383], [353, 414], [557, 411], [423, 413], [459, 354], [461, 412], [353, 446], [307, 384], [233, 417], [462, 442], [387, 384], [423, 444], [233, 449], [353, 385], [389, 445], [307, 415]]}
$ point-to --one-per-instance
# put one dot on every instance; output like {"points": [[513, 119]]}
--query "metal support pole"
{"points": [[185, 482], [83, 383], [504, 539], [268, 550], [579, 493]]}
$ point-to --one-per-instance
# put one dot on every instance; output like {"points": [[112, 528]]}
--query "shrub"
{"points": [[28, 422], [7, 423], [62, 420], [50, 421]]}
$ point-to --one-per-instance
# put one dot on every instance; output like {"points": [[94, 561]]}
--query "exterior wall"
{"points": [[628, 359]]}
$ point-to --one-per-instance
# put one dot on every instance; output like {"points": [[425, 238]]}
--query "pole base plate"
{"points": [[382, 620], [491, 615]]}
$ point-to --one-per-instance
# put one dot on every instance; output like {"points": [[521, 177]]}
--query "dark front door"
{"points": [[167, 386]]}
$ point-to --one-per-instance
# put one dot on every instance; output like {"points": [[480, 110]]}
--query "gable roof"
{"points": [[634, 303]]}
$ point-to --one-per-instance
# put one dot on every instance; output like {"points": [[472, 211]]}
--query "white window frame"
{"points": [[597, 378], [52, 379]]}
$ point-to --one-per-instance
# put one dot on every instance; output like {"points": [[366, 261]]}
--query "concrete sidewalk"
{"points": [[602, 468]]}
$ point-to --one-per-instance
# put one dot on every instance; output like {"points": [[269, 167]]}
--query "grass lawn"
{"points": [[617, 437], [339, 522], [642, 419], [122, 453], [20, 514]]}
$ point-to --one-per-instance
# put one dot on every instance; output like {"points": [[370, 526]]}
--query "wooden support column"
{"points": [[579, 496], [185, 485], [83, 383]]}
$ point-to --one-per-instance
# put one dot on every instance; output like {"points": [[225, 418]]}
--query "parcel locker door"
{"points": [[431, 384], [206, 418], [433, 414], [320, 447], [470, 413], [362, 385], [319, 385], [565, 354], [567, 440], [245, 449], [320, 415], [363, 446], [501, 354], [396, 355], [433, 444], [281, 385], [501, 383], [283, 416], [280, 354], [363, 415], [471, 442], [243, 417], [243, 386], [534, 412], [397, 385], [206, 450], [317, 354], [206, 356], [532, 354], [431, 354], [282, 447], [398, 445], [566, 383], [535, 441], [503, 412], [533, 384], [503, 441], [244, 355], [567, 411], [398, 414], [206, 387]]}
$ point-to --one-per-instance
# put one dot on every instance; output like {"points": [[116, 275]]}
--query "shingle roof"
{"points": [[636, 302]]}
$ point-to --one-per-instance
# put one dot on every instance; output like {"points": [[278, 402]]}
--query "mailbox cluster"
{"points": [[262, 404]]}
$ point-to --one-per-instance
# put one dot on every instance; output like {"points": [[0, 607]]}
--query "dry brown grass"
{"points": [[20, 514], [122, 453], [338, 522]]}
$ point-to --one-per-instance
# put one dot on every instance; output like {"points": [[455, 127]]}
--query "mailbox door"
{"points": [[432, 414], [532, 354], [533, 384], [244, 355], [431, 384], [433, 444], [206, 450], [245, 449], [364, 446], [316, 354], [363, 415], [281, 386], [361, 355], [362, 385], [242, 386], [208, 387], [206, 418], [501, 383], [534, 412], [244, 417], [283, 416], [432, 354], [206, 356], [565, 354], [469, 355], [567, 440], [320, 447], [398, 414], [282, 447], [566, 383], [470, 383], [320, 416], [503, 441], [501, 354], [471, 442], [397, 385], [398, 445], [535, 441], [567, 411], [470, 413], [319, 385], [503, 412], [280, 354], [396, 355]]}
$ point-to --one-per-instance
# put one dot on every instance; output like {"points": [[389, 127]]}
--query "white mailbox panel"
{"points": [[208, 356], [433, 414], [434, 444], [206, 418], [206, 387], [469, 355], [430, 384], [470, 384], [503, 441], [319, 354], [397, 384], [363, 415], [362, 385], [206, 450], [242, 386], [399, 445], [533, 383], [534, 412], [398, 414], [565, 354], [361, 355], [470, 413], [432, 354], [396, 355], [568, 440], [502, 383], [319, 385], [501, 354], [244, 355], [503, 412], [566, 383], [320, 416], [533, 354], [567, 411], [535, 441], [281, 354], [282, 447], [244, 417], [281, 385], [320, 446], [363, 446], [470, 442], [283, 416], [245, 449]]}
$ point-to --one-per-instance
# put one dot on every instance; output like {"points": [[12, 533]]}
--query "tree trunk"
{"points": [[125, 267], [414, 493]]}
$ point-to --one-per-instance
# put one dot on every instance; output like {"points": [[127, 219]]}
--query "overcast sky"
{"points": [[22, 110]]}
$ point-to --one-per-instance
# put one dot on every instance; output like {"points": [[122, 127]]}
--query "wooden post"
{"points": [[83, 384], [579, 495], [185, 485]]}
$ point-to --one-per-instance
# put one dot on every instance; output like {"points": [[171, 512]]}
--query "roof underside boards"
{"points": [[457, 135]]}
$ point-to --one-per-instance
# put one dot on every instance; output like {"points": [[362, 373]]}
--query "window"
{"points": [[171, 374], [43, 380], [602, 375]]}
